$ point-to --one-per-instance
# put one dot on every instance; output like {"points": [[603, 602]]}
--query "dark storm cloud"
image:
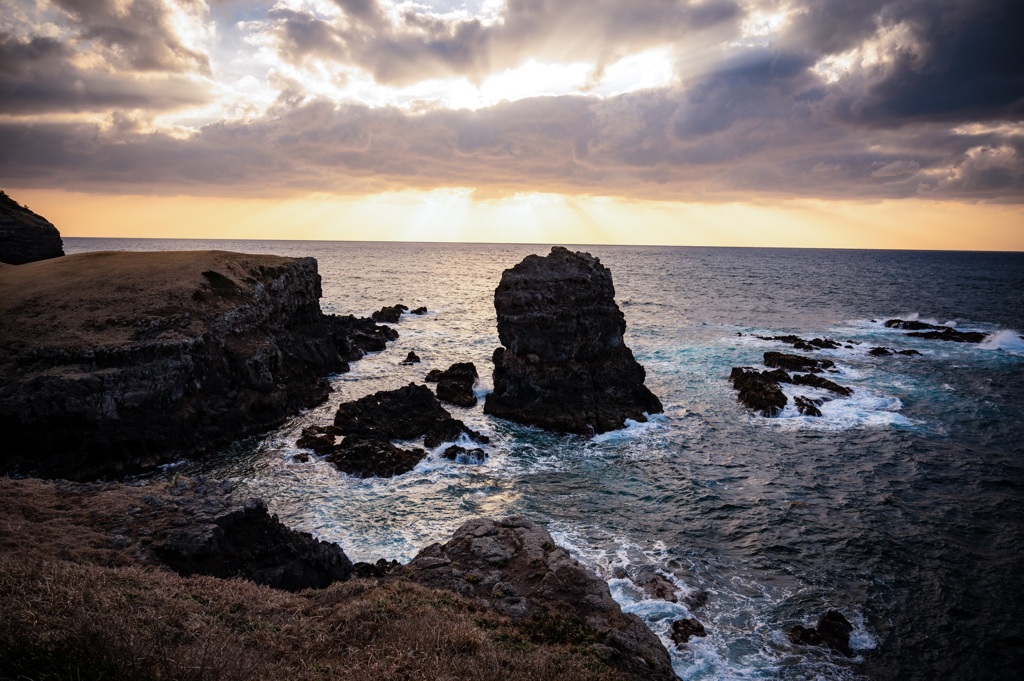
{"points": [[422, 45], [38, 76]]}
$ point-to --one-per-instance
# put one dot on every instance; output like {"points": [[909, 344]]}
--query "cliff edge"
{"points": [[115, 361], [25, 236]]}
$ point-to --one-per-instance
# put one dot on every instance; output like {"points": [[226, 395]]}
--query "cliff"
{"points": [[115, 361], [564, 365], [25, 236]]}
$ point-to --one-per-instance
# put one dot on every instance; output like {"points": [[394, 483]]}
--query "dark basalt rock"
{"points": [[355, 336], [455, 384], [513, 567], [374, 570], [244, 541], [389, 314], [952, 335], [419, 311], [816, 381], [807, 406], [411, 358], [656, 586], [912, 325], [808, 345], [24, 236], [683, 629], [797, 362], [463, 455], [564, 365], [366, 457], [833, 630], [760, 390]]}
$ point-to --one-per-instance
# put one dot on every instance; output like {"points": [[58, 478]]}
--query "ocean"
{"points": [[902, 506]]}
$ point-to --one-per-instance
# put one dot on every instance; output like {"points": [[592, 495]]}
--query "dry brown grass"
{"points": [[72, 609]]}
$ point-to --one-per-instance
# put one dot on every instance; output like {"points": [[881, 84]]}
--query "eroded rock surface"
{"points": [[24, 236], [564, 365], [513, 567], [118, 361]]}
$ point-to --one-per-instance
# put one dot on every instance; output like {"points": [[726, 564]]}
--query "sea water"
{"points": [[902, 506]]}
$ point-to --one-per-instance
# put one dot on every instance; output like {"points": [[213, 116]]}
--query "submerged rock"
{"points": [[807, 406], [808, 345], [24, 236], [455, 384], [685, 628], [564, 365], [911, 325], [411, 358], [816, 381], [952, 335], [513, 567], [463, 455]]}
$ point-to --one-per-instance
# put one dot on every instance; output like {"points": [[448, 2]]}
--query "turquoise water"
{"points": [[901, 506]]}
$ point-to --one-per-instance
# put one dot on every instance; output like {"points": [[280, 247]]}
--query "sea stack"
{"points": [[25, 236], [564, 366]]}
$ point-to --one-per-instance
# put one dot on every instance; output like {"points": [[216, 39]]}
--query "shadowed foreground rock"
{"points": [[118, 361], [564, 365], [512, 566], [24, 236], [455, 384]]}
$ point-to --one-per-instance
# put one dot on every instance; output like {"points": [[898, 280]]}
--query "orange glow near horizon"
{"points": [[454, 215]]}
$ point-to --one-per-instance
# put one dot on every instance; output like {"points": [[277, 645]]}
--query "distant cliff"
{"points": [[25, 236], [115, 362]]}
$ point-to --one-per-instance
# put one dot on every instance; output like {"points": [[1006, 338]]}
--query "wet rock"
{"points": [[24, 236], [455, 384], [411, 358], [402, 414], [797, 362], [912, 325], [513, 567], [419, 311], [355, 336], [685, 628], [656, 586], [367, 457], [816, 381], [759, 390], [564, 366], [245, 541], [833, 631], [374, 570], [807, 406], [389, 314], [880, 352], [695, 599], [806, 345], [951, 335], [463, 455], [321, 440]]}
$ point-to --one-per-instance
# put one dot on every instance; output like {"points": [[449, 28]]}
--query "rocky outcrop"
{"points": [[779, 360], [220, 537], [683, 630], [801, 344], [760, 390], [886, 352], [24, 236], [369, 425], [564, 365], [455, 384], [513, 567], [934, 332], [463, 455], [833, 631], [389, 313], [355, 336], [116, 362]]}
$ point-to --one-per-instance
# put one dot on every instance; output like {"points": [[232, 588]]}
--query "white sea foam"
{"points": [[1007, 340]]}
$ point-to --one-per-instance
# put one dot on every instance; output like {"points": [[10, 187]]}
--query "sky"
{"points": [[815, 123]]}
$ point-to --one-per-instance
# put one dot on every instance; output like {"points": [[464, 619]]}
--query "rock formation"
{"points": [[933, 332], [24, 236], [389, 313], [455, 384], [833, 630], [564, 365], [512, 566], [760, 390], [116, 362]]}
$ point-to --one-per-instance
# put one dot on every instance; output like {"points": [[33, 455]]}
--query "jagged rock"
{"points": [[117, 361], [800, 344], [807, 406], [366, 457], [683, 629], [656, 586], [243, 540], [463, 455], [24, 236], [514, 567], [411, 358], [371, 422], [355, 336], [833, 630], [797, 362], [816, 381], [564, 365], [759, 390], [952, 335], [389, 314], [455, 384]]}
